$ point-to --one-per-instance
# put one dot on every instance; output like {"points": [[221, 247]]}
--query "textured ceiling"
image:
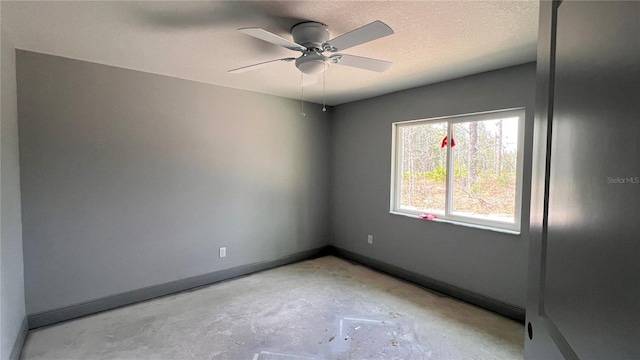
{"points": [[433, 41]]}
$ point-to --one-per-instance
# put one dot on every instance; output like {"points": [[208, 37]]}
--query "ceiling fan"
{"points": [[312, 40]]}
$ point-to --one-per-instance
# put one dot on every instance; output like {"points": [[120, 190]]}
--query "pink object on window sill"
{"points": [[427, 216]]}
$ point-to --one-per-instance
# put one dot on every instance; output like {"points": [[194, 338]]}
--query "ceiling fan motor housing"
{"points": [[310, 34]]}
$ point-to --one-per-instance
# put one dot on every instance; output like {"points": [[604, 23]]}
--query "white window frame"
{"points": [[479, 222]]}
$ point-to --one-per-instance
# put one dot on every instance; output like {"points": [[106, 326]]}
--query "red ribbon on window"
{"points": [[444, 142]]}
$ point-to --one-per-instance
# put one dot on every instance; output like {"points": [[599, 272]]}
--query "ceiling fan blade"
{"points": [[369, 32], [360, 62], [257, 66], [308, 80], [272, 38]]}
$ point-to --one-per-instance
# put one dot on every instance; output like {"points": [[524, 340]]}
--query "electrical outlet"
{"points": [[223, 252], [370, 239]]}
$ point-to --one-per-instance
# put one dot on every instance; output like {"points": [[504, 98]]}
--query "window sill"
{"points": [[475, 226]]}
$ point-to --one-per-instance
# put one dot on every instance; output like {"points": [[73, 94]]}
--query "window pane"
{"points": [[485, 159], [423, 165]]}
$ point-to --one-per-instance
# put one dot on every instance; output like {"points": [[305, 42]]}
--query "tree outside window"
{"points": [[473, 178]]}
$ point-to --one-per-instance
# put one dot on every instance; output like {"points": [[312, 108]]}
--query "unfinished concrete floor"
{"points": [[326, 308]]}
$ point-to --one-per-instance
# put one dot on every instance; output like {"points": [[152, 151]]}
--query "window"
{"points": [[464, 169]]}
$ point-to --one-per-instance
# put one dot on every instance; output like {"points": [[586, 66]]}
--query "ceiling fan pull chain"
{"points": [[324, 91], [302, 97]]}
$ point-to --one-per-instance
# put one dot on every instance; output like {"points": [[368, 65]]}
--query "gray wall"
{"points": [[12, 303], [485, 262], [131, 179]]}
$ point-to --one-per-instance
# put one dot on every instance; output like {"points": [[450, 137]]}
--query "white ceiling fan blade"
{"points": [[272, 38], [308, 80], [369, 32], [360, 62], [257, 66]]}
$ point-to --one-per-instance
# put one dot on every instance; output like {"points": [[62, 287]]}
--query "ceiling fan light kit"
{"points": [[312, 63]]}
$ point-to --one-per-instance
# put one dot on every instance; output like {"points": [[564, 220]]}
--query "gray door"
{"points": [[584, 273]]}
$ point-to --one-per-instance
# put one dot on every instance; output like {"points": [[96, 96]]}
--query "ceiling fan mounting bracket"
{"points": [[310, 34]]}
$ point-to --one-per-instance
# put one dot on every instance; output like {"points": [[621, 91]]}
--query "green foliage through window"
{"points": [[485, 158]]}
